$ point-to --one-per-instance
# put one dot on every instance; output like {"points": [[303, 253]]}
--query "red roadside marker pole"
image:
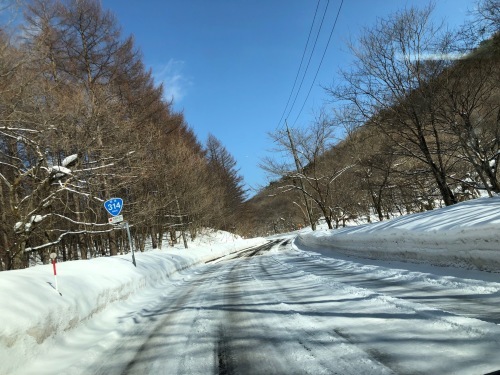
{"points": [[53, 257]]}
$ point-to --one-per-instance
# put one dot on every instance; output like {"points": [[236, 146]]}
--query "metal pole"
{"points": [[130, 242]]}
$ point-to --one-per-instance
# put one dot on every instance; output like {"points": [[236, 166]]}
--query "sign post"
{"points": [[114, 207], [130, 242]]}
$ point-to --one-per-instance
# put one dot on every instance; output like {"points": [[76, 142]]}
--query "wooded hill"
{"points": [[415, 125], [82, 121]]}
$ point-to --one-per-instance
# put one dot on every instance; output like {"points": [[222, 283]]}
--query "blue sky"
{"points": [[230, 65]]}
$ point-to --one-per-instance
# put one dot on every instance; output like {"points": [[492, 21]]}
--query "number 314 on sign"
{"points": [[114, 206]]}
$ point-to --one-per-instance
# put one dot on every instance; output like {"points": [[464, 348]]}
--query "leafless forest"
{"points": [[82, 121], [415, 123]]}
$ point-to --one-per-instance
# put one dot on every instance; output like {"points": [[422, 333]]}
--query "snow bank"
{"points": [[463, 235], [32, 311]]}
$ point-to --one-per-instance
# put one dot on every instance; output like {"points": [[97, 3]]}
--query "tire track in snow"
{"points": [[384, 364], [443, 293], [473, 332]]}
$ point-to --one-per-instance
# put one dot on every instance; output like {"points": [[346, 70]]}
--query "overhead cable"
{"points": [[301, 61], [309, 61], [321, 62]]}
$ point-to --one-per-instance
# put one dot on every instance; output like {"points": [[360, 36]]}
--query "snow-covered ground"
{"points": [[33, 314], [465, 235], [35, 319]]}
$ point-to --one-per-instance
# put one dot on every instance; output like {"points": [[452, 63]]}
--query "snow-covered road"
{"points": [[455, 295], [279, 310]]}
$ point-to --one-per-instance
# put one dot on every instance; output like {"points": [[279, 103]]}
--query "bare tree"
{"points": [[74, 51], [470, 108], [227, 184], [33, 182], [81, 120], [305, 168], [390, 85], [487, 16]]}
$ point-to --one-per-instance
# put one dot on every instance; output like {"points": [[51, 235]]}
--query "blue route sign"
{"points": [[114, 206]]}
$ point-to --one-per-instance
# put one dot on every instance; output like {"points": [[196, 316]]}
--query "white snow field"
{"points": [[464, 235], [419, 294]]}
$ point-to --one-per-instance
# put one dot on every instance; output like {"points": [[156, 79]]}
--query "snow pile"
{"points": [[32, 311], [463, 235]]}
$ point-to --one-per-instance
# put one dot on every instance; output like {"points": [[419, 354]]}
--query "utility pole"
{"points": [[300, 171]]}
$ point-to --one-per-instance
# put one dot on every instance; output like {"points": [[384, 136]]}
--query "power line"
{"points": [[310, 58], [301, 61], [321, 62]]}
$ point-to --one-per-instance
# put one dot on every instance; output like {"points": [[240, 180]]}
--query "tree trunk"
{"points": [[154, 239], [173, 236], [438, 173], [184, 239], [160, 236], [113, 247], [329, 222]]}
